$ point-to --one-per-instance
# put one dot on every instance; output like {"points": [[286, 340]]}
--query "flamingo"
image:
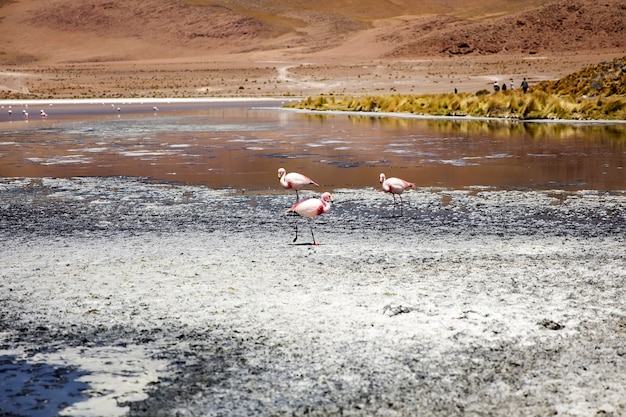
{"points": [[311, 208], [395, 186], [294, 181]]}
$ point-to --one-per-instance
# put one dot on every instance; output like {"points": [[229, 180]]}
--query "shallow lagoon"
{"points": [[241, 143]]}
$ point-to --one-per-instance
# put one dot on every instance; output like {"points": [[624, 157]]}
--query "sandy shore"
{"points": [[283, 76], [126, 298]]}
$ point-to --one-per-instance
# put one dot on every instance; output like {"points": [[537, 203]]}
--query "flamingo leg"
{"points": [[296, 238], [312, 235]]}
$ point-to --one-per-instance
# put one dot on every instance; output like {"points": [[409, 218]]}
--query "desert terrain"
{"points": [[121, 296], [113, 49]]}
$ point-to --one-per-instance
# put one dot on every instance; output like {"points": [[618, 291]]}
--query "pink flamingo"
{"points": [[311, 208], [395, 186], [294, 181]]}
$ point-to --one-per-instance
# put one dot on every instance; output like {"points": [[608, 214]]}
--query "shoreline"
{"points": [[458, 118], [157, 299], [95, 101], [212, 100], [401, 115]]}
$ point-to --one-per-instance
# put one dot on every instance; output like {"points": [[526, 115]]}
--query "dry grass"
{"points": [[604, 79], [507, 104], [565, 99]]}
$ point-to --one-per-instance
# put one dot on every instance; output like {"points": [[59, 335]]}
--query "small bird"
{"points": [[310, 208], [395, 186], [294, 181]]}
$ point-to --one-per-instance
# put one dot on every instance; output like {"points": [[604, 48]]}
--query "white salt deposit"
{"points": [[440, 308]]}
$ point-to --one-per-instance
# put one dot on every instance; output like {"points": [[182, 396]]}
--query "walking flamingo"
{"points": [[311, 208], [294, 181], [395, 186]]}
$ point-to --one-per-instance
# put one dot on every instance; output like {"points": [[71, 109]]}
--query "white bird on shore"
{"points": [[311, 208], [294, 181], [395, 186]]}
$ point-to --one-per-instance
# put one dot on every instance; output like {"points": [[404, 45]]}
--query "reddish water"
{"points": [[241, 145]]}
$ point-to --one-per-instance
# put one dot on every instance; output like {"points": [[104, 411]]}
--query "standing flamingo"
{"points": [[395, 186], [294, 181], [311, 208]]}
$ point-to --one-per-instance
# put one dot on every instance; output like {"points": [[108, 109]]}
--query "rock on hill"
{"points": [[559, 26]]}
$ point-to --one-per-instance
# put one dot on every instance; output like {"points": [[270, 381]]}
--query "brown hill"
{"points": [[325, 46], [559, 26], [99, 30]]}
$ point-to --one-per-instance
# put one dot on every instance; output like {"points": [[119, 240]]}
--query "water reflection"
{"points": [[242, 145]]}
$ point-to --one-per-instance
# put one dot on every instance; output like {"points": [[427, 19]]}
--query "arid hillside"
{"points": [[103, 30], [49, 36]]}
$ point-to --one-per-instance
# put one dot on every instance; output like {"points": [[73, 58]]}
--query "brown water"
{"points": [[241, 145]]}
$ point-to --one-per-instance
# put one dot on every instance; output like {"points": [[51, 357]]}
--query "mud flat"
{"points": [[123, 297]]}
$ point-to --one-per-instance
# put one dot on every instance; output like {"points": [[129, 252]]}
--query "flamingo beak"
{"points": [[278, 175]]}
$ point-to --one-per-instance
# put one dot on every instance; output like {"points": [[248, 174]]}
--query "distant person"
{"points": [[496, 87], [503, 86], [455, 91], [512, 84], [525, 85]]}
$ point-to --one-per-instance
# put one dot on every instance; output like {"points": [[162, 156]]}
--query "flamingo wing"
{"points": [[396, 185], [296, 180], [311, 207]]}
